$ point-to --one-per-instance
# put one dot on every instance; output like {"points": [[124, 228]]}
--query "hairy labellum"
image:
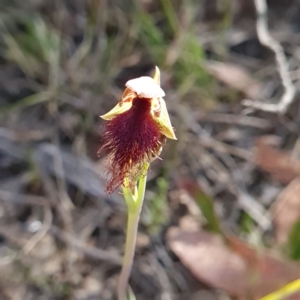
{"points": [[131, 139]]}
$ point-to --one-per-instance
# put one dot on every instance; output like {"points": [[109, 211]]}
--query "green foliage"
{"points": [[206, 205], [157, 214], [293, 244], [151, 37], [175, 47], [28, 101], [38, 43], [170, 15], [131, 295], [40, 50], [190, 73], [247, 223]]}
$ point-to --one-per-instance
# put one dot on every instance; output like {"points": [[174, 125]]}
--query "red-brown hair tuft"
{"points": [[131, 139]]}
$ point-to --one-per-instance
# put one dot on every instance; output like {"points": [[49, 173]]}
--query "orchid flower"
{"points": [[136, 131], [134, 135]]}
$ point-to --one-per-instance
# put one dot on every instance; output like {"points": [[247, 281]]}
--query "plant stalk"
{"points": [[134, 206]]}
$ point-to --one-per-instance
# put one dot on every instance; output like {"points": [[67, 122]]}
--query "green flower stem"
{"points": [[134, 202]]}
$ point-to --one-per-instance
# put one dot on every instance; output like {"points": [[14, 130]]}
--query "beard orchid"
{"points": [[136, 130]]}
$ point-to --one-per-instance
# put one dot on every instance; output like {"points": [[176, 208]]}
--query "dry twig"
{"points": [[240, 120], [15, 198], [96, 253], [267, 40]]}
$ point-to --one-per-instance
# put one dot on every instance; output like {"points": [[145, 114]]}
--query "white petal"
{"points": [[145, 87]]}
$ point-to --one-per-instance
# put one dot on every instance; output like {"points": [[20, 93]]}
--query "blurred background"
{"points": [[221, 217]]}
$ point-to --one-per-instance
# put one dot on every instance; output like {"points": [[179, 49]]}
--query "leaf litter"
{"points": [[50, 100]]}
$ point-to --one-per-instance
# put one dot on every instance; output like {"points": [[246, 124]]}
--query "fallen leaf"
{"points": [[234, 266], [267, 273], [287, 210], [278, 163], [209, 259]]}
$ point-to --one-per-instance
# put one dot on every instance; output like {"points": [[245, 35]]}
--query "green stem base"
{"points": [[134, 205]]}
